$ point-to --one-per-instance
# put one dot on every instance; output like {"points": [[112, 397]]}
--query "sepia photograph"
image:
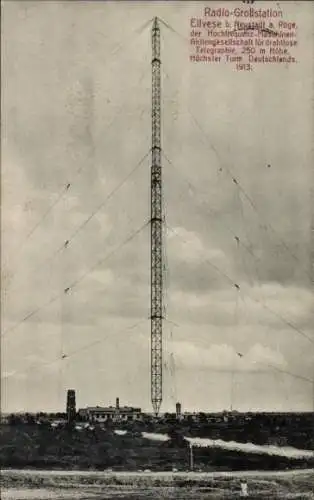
{"points": [[157, 249]]}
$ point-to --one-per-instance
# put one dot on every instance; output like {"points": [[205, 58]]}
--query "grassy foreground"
{"points": [[128, 486]]}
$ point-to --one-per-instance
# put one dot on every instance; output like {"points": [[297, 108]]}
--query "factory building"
{"points": [[117, 413]]}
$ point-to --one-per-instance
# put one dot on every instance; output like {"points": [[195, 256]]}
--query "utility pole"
{"points": [[156, 227], [191, 457]]}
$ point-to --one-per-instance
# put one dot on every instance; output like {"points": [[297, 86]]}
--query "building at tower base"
{"points": [[117, 413]]}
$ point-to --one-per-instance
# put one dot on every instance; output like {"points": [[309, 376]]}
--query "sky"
{"points": [[76, 98]]}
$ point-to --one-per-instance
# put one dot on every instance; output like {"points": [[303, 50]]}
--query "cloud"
{"points": [[223, 357], [190, 249], [14, 374], [263, 355], [67, 119]]}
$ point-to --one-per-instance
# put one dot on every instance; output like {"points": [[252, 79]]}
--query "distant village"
{"points": [[91, 416], [85, 417]]}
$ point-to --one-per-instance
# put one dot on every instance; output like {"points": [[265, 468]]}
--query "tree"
{"points": [[176, 438], [15, 419], [202, 418], [30, 419]]}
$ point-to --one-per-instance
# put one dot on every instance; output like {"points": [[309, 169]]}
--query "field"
{"points": [[282, 429], [42, 447], [132, 462], [291, 429], [35, 485]]}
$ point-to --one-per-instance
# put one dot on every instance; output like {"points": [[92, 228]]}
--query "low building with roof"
{"points": [[115, 413]]}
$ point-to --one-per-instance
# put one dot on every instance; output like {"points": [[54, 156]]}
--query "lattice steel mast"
{"points": [[156, 227]]}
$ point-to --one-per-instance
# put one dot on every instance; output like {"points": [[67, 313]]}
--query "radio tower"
{"points": [[156, 228]]}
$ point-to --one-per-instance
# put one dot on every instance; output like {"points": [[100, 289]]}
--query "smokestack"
{"points": [[178, 410], [117, 404], [71, 406]]}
